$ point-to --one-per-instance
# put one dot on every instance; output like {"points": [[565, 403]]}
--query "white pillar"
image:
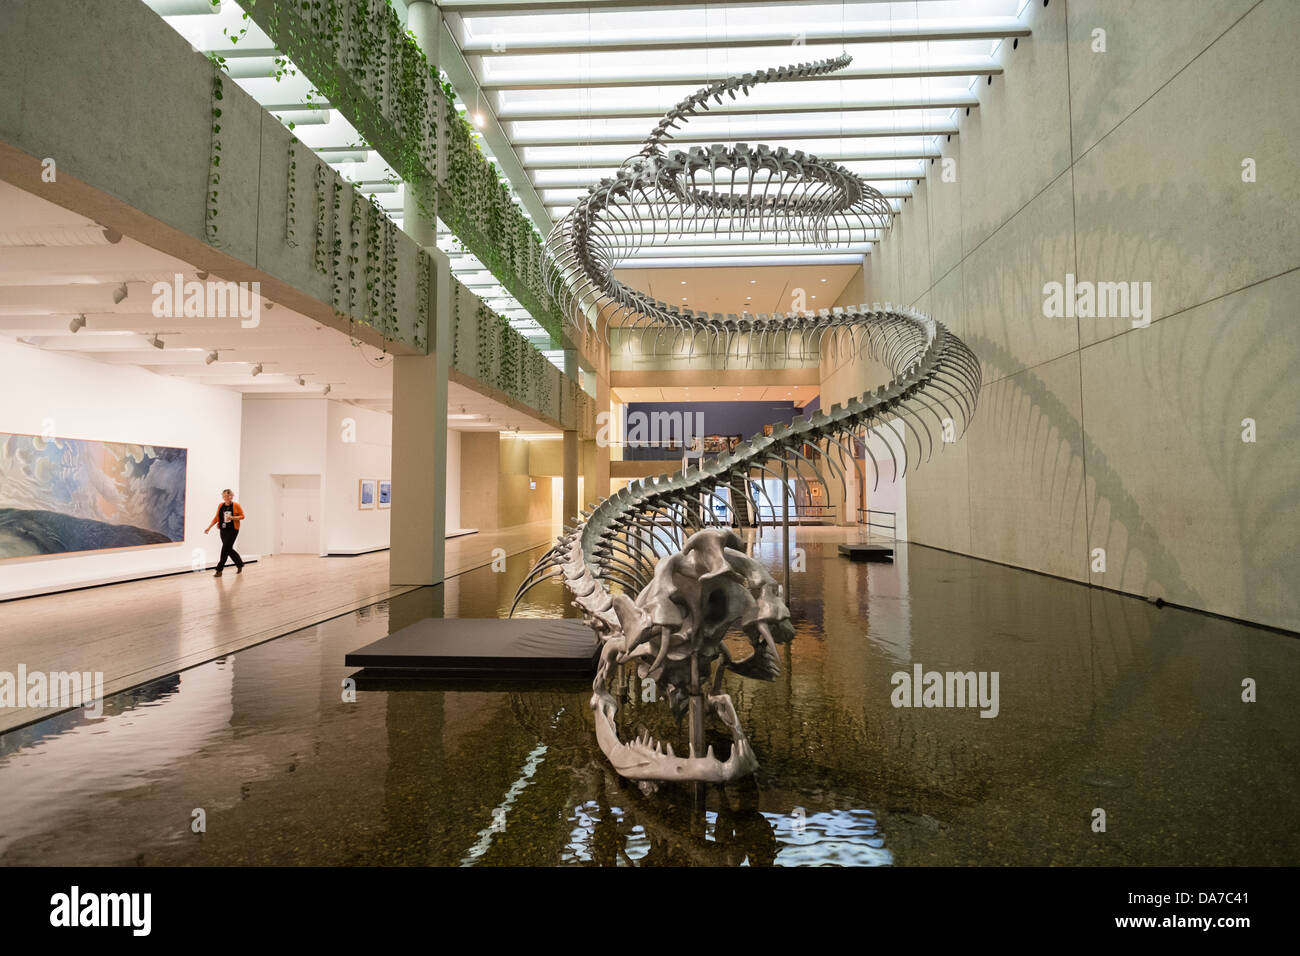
{"points": [[419, 510]]}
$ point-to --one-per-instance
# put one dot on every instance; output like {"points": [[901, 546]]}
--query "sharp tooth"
{"points": [[670, 750], [709, 754]]}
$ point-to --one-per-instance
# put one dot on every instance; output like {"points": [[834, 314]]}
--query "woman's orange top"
{"points": [[238, 514]]}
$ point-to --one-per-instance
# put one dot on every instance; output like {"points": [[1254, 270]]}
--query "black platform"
{"points": [[867, 552], [439, 648]]}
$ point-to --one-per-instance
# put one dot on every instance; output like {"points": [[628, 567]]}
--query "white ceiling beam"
{"points": [[580, 178], [955, 99], [759, 34], [729, 250], [700, 133], [479, 8], [968, 66], [712, 261]]}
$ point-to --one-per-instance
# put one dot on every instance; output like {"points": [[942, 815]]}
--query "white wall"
{"points": [[453, 480], [83, 398], [358, 444], [280, 437], [340, 443]]}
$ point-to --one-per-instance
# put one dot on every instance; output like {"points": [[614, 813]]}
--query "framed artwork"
{"points": [[366, 494], [767, 431], [385, 492], [714, 444], [70, 495]]}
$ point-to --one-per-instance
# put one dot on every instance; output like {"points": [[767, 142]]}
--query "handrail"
{"points": [[865, 518]]}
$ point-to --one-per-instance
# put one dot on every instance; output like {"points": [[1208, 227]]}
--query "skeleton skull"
{"points": [[674, 633]]}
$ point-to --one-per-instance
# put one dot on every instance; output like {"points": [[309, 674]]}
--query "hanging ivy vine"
{"points": [[322, 235], [212, 210], [291, 209], [374, 73], [423, 262]]}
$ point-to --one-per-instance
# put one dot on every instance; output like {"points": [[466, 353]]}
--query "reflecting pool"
{"points": [[1105, 702]]}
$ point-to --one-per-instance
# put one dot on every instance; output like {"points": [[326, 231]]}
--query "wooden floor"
{"points": [[139, 630]]}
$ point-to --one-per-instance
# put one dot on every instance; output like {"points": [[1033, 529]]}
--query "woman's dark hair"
{"points": [[226, 491]]}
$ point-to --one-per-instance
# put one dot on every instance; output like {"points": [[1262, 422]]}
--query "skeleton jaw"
{"points": [[648, 759]]}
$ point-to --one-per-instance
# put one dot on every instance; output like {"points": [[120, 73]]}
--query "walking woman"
{"points": [[229, 514]]}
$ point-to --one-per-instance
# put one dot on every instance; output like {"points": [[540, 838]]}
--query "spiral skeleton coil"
{"points": [[656, 573]]}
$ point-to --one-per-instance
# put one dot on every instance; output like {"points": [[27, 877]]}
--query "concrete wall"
{"points": [[635, 351], [1123, 165], [490, 503], [77, 397], [480, 457], [147, 153], [453, 481], [518, 503]]}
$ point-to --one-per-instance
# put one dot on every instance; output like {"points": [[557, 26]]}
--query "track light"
{"points": [[326, 391], [210, 357], [78, 323], [257, 369], [119, 294], [300, 380], [155, 341]]}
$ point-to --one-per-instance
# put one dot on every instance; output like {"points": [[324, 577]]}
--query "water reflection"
{"points": [[1106, 701]]}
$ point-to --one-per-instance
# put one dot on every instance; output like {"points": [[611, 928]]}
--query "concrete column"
{"points": [[569, 502], [424, 20], [600, 488], [419, 519]]}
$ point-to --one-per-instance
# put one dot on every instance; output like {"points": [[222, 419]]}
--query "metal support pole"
{"points": [[785, 525]]}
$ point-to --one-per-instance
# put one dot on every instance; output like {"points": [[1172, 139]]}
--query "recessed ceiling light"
{"points": [[683, 282], [823, 280]]}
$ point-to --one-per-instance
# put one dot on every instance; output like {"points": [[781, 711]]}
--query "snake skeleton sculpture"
{"points": [[656, 574]]}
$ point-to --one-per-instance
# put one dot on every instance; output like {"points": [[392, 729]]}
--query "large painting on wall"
{"points": [[65, 495]]}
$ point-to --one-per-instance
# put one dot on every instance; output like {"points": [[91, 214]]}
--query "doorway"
{"points": [[297, 514]]}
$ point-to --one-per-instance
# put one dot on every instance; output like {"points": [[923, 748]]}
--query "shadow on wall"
{"points": [[1181, 498]]}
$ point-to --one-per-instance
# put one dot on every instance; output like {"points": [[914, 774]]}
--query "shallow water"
{"points": [[1105, 702]]}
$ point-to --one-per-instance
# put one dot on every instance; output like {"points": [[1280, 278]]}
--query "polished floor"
{"points": [[1105, 703], [139, 630]]}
